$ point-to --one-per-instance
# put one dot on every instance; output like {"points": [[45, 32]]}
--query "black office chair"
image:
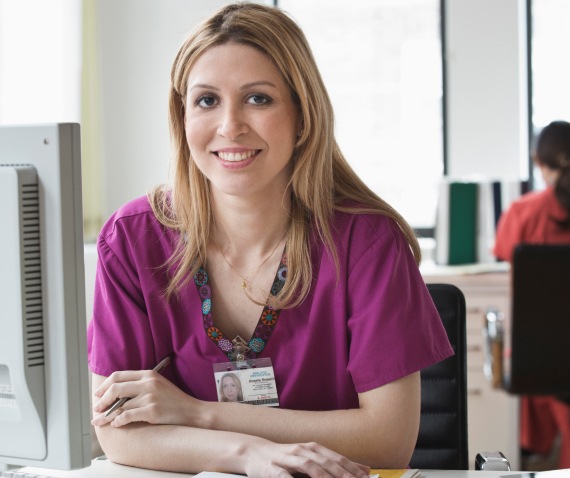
{"points": [[442, 439], [540, 326]]}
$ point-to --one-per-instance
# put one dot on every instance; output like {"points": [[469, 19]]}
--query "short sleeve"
{"points": [[394, 326], [119, 336]]}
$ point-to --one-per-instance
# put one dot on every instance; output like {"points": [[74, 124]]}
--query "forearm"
{"points": [[351, 433], [175, 448], [184, 434], [183, 449], [382, 433]]}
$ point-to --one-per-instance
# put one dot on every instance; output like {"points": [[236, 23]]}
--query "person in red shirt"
{"points": [[542, 217]]}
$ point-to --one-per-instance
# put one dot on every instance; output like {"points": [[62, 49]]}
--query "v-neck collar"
{"points": [[265, 325]]}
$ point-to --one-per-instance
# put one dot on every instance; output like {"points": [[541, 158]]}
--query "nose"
{"points": [[232, 123]]}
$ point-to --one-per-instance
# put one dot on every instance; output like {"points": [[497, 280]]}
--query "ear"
{"points": [[300, 125], [183, 106]]}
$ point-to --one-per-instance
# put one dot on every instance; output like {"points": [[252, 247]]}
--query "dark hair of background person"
{"points": [[553, 151]]}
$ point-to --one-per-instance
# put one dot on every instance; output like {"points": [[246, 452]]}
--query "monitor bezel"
{"points": [[54, 151]]}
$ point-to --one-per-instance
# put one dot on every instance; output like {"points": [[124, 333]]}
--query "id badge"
{"points": [[247, 381]]}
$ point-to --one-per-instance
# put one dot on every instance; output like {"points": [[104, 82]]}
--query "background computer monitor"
{"points": [[44, 392]]}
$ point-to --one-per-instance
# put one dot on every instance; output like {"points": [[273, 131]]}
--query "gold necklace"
{"points": [[244, 280]]}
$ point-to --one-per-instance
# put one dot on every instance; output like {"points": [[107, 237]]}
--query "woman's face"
{"points": [[241, 123], [230, 389]]}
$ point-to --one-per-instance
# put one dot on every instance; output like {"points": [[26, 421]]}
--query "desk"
{"points": [[108, 469]]}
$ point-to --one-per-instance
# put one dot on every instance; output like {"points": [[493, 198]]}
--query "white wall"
{"points": [[486, 88], [138, 42], [486, 81], [40, 61]]}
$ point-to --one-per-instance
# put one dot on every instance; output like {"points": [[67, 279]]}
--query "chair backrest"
{"points": [[442, 439], [540, 328]]}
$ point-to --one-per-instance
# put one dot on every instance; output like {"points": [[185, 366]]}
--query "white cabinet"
{"points": [[493, 416]]}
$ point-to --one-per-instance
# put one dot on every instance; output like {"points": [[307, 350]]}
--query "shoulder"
{"points": [[133, 215], [366, 225], [358, 234], [532, 203], [134, 228], [533, 198]]}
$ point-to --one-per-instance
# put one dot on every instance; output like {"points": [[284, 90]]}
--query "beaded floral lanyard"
{"points": [[239, 349]]}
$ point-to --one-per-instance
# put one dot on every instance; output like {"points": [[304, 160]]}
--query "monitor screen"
{"points": [[44, 391]]}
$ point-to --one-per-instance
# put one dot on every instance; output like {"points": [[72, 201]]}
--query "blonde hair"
{"points": [[322, 180], [237, 383]]}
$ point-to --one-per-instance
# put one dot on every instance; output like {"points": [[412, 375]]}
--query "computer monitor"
{"points": [[44, 390]]}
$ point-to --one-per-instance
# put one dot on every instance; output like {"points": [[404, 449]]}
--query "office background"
{"points": [[401, 109], [420, 87]]}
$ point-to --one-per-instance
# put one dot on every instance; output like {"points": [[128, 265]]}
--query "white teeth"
{"points": [[235, 156]]}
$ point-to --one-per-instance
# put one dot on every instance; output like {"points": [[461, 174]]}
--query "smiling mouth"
{"points": [[236, 156]]}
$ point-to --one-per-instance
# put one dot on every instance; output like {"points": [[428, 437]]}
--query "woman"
{"points": [[230, 388], [542, 218], [266, 247]]}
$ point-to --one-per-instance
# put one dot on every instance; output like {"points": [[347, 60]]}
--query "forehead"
{"points": [[233, 63]]}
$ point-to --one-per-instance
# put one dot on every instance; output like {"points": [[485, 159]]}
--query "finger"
{"points": [[301, 459], [138, 414], [102, 419], [356, 469], [319, 458], [121, 376], [115, 392], [108, 415]]}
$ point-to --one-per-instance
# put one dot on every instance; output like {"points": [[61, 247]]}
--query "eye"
{"points": [[206, 101], [259, 100]]}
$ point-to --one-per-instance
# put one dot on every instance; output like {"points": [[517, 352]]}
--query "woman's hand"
{"points": [[152, 398], [268, 459]]}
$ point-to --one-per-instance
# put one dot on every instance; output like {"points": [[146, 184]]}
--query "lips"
{"points": [[236, 156]]}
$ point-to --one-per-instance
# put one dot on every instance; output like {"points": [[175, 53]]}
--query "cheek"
{"points": [[197, 139], [288, 129], [191, 132], [279, 133]]}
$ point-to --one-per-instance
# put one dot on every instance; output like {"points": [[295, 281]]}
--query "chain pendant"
{"points": [[240, 348]]}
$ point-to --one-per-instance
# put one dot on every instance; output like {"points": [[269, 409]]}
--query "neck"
{"points": [[549, 175], [249, 227], [247, 241]]}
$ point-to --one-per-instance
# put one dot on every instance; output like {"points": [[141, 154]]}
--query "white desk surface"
{"points": [[107, 469]]}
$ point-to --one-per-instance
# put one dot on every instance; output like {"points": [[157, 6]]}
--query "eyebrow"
{"points": [[243, 87]]}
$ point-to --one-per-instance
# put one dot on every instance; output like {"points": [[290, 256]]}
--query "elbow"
{"points": [[400, 457], [397, 456], [393, 446], [111, 443], [104, 439]]}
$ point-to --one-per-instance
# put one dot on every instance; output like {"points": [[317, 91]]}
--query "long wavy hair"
{"points": [[237, 382], [553, 151], [321, 181]]}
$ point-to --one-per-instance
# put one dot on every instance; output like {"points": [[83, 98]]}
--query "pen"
{"points": [[121, 401]]}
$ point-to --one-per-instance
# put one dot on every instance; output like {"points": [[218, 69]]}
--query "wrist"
{"points": [[202, 415], [248, 453]]}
